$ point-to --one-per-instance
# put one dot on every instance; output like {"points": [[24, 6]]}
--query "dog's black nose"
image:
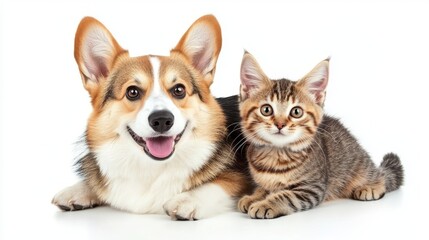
{"points": [[161, 121]]}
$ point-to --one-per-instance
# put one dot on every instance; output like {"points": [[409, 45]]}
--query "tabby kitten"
{"points": [[298, 156]]}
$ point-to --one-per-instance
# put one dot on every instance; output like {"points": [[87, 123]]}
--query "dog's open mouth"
{"points": [[158, 148]]}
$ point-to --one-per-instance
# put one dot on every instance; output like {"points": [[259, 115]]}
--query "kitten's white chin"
{"points": [[282, 139]]}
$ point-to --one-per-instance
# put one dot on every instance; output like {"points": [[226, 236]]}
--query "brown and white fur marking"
{"points": [[156, 136]]}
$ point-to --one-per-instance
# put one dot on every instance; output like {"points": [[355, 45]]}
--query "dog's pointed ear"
{"points": [[201, 45], [95, 51]]}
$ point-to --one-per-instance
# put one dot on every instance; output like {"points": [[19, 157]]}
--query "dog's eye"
{"points": [[178, 91], [133, 93]]}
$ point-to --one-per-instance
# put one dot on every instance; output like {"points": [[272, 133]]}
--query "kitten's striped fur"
{"points": [[298, 156]]}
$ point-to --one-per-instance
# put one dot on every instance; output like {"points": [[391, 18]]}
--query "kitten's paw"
{"points": [[369, 193], [244, 203], [76, 197], [182, 207], [263, 210]]}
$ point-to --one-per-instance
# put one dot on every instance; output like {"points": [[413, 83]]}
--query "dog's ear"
{"points": [[201, 45], [95, 51]]}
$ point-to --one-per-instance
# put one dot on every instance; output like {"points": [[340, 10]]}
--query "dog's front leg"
{"points": [[209, 199], [204, 201], [76, 197]]}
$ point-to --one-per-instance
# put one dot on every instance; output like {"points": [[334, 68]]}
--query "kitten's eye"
{"points": [[267, 110], [296, 112], [133, 93], [178, 91]]}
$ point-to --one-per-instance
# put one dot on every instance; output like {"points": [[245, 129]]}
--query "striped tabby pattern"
{"points": [[298, 156]]}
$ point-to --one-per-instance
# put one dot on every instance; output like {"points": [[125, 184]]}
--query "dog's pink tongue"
{"points": [[160, 147]]}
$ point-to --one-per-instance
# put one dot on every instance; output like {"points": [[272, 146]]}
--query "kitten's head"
{"points": [[281, 113]]}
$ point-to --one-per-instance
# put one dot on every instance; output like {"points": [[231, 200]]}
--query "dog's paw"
{"points": [[263, 210], [76, 197], [182, 207]]}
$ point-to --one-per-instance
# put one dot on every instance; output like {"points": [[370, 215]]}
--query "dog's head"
{"points": [[145, 105]]}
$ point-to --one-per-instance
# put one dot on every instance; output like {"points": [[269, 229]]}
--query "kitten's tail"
{"points": [[393, 171]]}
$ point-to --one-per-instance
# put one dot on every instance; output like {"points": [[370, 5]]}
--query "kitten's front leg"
{"points": [[201, 202], [286, 202], [246, 201]]}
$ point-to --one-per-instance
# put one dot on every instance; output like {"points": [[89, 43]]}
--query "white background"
{"points": [[378, 86]]}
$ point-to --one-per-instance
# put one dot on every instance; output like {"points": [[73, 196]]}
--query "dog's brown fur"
{"points": [[108, 71]]}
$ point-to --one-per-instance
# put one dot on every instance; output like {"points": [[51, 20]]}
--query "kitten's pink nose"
{"points": [[280, 125]]}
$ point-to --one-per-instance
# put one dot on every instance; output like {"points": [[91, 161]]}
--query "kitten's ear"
{"points": [[95, 50], [252, 77], [201, 45], [315, 82]]}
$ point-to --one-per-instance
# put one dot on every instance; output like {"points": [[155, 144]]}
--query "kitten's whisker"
{"points": [[235, 130], [232, 124], [327, 134], [326, 131], [244, 140], [321, 149], [239, 147]]}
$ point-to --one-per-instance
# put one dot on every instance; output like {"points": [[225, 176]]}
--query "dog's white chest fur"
{"points": [[139, 184]]}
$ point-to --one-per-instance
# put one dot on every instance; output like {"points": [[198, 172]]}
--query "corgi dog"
{"points": [[157, 139]]}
